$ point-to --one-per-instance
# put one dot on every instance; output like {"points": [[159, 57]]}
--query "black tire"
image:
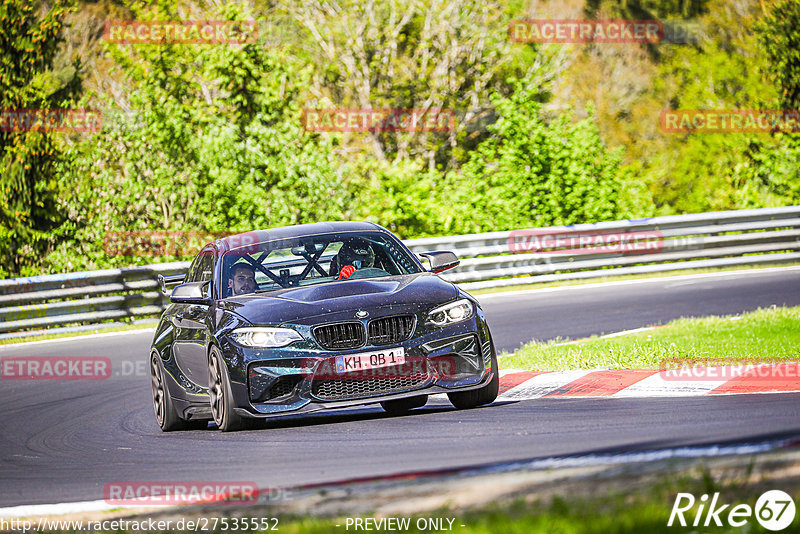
{"points": [[464, 400], [219, 393], [401, 406], [166, 414]]}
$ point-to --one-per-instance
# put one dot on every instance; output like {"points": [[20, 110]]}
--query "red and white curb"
{"points": [[722, 380]]}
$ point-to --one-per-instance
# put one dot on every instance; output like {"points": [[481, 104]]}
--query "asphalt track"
{"points": [[63, 441]]}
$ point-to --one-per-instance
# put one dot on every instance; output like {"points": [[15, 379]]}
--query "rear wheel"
{"points": [[166, 414], [478, 397], [400, 406], [219, 392]]}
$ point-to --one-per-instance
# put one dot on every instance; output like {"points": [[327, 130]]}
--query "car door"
{"points": [[190, 324]]}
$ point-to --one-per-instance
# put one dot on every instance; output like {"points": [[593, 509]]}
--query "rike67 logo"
{"points": [[774, 510]]}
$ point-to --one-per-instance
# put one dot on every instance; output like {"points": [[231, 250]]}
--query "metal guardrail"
{"points": [[83, 297], [717, 239], [702, 240]]}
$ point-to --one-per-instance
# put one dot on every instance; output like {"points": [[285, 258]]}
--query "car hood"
{"points": [[378, 296]]}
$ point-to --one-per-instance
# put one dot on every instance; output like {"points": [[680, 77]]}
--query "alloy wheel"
{"points": [[215, 389], [157, 380]]}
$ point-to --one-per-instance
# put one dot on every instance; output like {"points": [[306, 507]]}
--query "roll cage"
{"points": [[307, 252]]}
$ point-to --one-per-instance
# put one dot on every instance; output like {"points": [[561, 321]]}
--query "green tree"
{"points": [[213, 143], [405, 197], [416, 54], [779, 35], [537, 172], [701, 171], [31, 219]]}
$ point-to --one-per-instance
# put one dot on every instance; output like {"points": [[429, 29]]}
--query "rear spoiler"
{"points": [[171, 279]]}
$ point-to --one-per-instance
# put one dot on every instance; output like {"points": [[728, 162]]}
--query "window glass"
{"points": [[318, 259], [202, 269]]}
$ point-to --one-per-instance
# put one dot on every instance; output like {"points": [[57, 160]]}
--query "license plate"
{"points": [[370, 360]]}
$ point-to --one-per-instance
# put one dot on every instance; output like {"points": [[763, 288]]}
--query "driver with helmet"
{"points": [[354, 254]]}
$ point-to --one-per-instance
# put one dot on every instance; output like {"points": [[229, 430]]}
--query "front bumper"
{"points": [[265, 411], [299, 379]]}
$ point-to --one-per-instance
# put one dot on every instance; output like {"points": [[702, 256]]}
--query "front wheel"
{"points": [[166, 414], [478, 397], [219, 392]]}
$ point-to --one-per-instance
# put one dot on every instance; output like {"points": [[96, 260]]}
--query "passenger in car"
{"points": [[242, 280]]}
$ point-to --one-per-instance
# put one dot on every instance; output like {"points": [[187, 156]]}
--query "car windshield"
{"points": [[317, 259]]}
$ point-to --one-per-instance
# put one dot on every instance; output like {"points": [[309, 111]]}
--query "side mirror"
{"points": [[190, 293], [441, 260]]}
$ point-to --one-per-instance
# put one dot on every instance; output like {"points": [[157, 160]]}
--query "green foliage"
{"points": [[648, 9], [30, 216], [779, 34], [777, 165], [215, 144], [209, 138], [405, 197], [695, 172], [537, 172], [415, 54]]}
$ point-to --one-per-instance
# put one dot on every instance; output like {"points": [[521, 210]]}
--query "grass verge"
{"points": [[765, 335], [619, 513]]}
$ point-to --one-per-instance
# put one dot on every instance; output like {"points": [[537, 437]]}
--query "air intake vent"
{"points": [[284, 386], [388, 330], [414, 374], [340, 335]]}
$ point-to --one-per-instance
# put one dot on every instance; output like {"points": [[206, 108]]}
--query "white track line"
{"points": [[145, 330], [675, 278], [609, 336], [639, 457], [627, 332], [36, 510]]}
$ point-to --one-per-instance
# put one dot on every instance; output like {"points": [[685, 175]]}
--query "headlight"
{"points": [[265, 336], [451, 313]]}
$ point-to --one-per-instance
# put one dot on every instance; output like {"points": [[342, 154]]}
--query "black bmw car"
{"points": [[316, 317]]}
